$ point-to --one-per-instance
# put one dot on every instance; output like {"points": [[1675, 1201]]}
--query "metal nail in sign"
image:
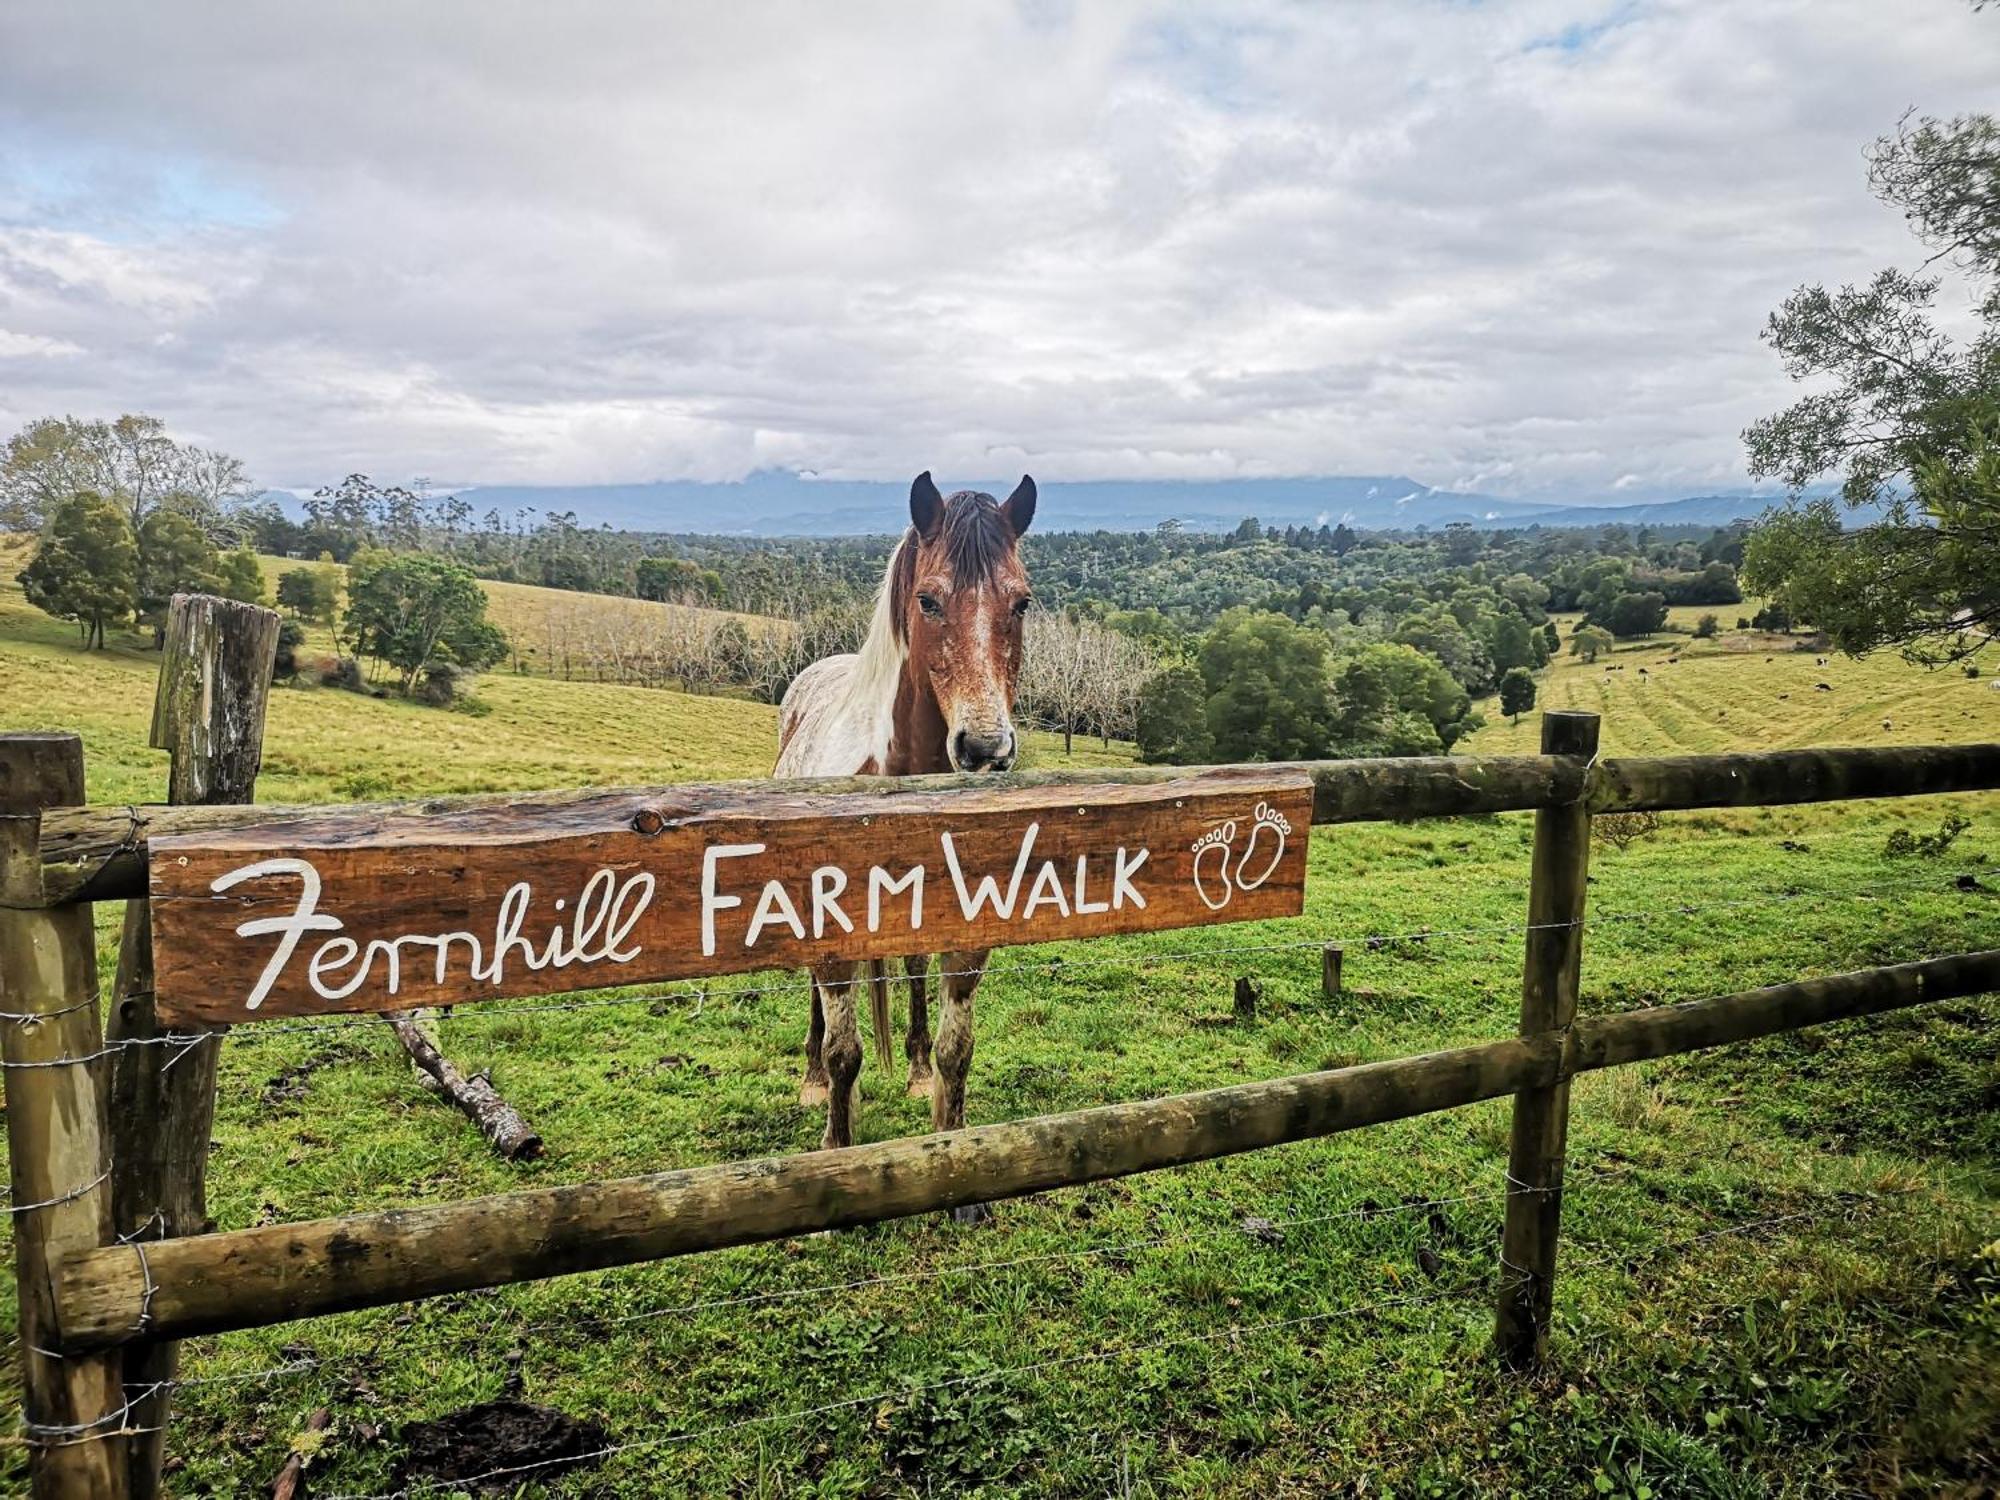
{"points": [[375, 910]]}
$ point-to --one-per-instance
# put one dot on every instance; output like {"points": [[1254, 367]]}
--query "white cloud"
{"points": [[35, 346], [1521, 247]]}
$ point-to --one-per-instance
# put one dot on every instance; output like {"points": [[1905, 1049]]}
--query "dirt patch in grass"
{"points": [[497, 1446]]}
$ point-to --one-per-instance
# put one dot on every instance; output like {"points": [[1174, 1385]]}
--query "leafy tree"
{"points": [[309, 593], [665, 579], [1589, 641], [130, 461], [1509, 641], [409, 610], [1635, 614], [86, 567], [1706, 627], [1173, 719], [1906, 416], [1517, 693], [1394, 700], [1552, 637], [175, 557], [1267, 687], [285, 664], [1437, 633], [242, 576]]}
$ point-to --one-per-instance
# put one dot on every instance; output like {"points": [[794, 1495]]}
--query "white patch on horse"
{"points": [[840, 712]]}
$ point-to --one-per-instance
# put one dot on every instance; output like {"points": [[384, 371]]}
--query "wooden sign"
{"points": [[372, 911]]}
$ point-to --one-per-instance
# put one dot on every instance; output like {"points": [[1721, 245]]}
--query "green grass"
{"points": [[1750, 691], [1133, 1338]]}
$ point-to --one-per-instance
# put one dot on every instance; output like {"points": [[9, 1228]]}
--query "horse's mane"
{"points": [[976, 538]]}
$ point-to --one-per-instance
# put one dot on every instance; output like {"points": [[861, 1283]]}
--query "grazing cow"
{"points": [[932, 689]]}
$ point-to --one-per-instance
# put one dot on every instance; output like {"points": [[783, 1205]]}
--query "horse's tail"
{"points": [[878, 1012]]}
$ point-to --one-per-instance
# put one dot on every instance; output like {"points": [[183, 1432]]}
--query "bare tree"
{"points": [[131, 460], [1078, 674]]}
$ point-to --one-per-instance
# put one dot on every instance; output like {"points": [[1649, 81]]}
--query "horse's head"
{"points": [[958, 593]]}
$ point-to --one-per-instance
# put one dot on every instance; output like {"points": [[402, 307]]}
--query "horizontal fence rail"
{"points": [[251, 1277], [100, 853], [106, 1288]]}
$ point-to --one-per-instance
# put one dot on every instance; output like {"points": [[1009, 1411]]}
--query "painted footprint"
{"points": [[1269, 827], [1211, 865]]}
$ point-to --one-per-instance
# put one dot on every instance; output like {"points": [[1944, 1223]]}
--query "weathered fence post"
{"points": [[208, 715], [1330, 956], [1557, 883], [56, 1137], [1245, 1000]]}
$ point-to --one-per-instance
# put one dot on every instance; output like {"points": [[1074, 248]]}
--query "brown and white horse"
{"points": [[932, 689]]}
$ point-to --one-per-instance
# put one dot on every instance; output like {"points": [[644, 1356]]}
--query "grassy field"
{"points": [[1781, 1272], [1750, 691]]}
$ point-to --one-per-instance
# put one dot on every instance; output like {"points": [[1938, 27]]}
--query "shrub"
{"points": [[1903, 844], [342, 672], [443, 682], [285, 665], [1622, 830], [1706, 627]]}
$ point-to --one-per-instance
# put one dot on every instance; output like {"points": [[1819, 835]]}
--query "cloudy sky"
{"points": [[1524, 248]]}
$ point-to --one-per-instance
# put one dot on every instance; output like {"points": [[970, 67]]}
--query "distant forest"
{"points": [[1262, 642]]}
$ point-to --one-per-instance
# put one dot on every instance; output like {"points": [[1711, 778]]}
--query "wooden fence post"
{"points": [[56, 1137], [208, 714], [1330, 956], [1556, 891]]}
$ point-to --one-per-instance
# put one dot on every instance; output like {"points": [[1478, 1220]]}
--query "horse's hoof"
{"points": [[812, 1094], [920, 1086], [972, 1214]]}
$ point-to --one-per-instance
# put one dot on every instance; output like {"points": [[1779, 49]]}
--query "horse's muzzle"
{"points": [[973, 752]]}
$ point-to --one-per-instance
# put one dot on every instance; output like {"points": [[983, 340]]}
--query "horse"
{"points": [[931, 689]]}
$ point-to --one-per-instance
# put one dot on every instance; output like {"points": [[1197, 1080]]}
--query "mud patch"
{"points": [[498, 1446]]}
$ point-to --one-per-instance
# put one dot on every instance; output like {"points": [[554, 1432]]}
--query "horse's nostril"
{"points": [[973, 753]]}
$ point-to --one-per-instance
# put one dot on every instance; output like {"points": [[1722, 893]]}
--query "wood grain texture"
{"points": [[208, 715], [101, 853], [526, 898], [1551, 977], [57, 1144], [250, 1277], [1773, 778]]}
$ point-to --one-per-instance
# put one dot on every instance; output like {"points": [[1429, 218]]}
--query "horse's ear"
{"points": [[1020, 507], [926, 505]]}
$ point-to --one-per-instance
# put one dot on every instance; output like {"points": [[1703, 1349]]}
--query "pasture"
{"points": [[1781, 1273]]}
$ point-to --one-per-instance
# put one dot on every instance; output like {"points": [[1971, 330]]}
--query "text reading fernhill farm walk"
{"points": [[374, 911]]}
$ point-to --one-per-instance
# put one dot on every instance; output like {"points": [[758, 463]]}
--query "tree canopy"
{"points": [[130, 461], [410, 610], [86, 567], [1907, 418]]}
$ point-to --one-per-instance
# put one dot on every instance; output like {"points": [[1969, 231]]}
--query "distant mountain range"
{"points": [[773, 503]]}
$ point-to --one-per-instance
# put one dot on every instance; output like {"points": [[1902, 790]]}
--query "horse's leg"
{"points": [[954, 1057], [835, 980], [812, 1093], [918, 1047]]}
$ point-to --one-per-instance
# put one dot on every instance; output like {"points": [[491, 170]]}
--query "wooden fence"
{"points": [[107, 1122]]}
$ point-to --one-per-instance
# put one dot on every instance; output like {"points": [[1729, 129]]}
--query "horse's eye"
{"points": [[1021, 604], [929, 605]]}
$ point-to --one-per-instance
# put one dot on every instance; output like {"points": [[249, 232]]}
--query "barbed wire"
{"points": [[1234, 1331]]}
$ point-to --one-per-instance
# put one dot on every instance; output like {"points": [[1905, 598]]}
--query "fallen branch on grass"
{"points": [[498, 1121]]}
